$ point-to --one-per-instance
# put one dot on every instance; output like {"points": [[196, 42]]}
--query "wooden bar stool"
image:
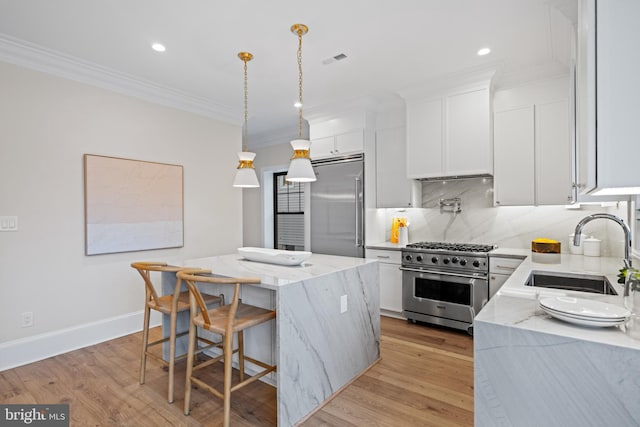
{"points": [[171, 305], [224, 320]]}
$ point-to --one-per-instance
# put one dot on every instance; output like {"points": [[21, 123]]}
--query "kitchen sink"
{"points": [[571, 282]]}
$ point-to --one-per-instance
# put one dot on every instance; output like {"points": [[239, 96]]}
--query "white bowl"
{"points": [[274, 256]]}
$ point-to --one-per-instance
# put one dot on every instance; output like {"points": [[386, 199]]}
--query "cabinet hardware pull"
{"points": [[384, 256], [504, 266]]}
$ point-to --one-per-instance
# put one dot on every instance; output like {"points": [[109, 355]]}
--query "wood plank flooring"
{"points": [[425, 378]]}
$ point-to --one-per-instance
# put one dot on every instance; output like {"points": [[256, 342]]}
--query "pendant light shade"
{"points": [[246, 174], [300, 169]]}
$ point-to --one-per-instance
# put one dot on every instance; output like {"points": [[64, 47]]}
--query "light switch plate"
{"points": [[343, 304], [8, 223]]}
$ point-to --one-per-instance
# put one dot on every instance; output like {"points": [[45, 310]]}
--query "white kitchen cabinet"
{"points": [[338, 145], [393, 189], [500, 268], [467, 144], [553, 154], [607, 93], [450, 135], [390, 280], [424, 139], [532, 155], [513, 144], [322, 147]]}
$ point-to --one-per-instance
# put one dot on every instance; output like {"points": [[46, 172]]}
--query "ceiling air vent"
{"points": [[338, 57]]}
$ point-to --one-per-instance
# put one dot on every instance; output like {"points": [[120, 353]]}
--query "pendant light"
{"points": [[300, 169], [246, 174]]}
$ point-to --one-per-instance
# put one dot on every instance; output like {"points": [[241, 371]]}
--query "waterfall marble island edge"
{"points": [[319, 347]]}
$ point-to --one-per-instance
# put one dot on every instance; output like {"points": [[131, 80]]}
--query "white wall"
{"points": [[46, 125]]}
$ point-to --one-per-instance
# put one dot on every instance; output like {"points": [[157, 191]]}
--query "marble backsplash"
{"points": [[507, 226]]}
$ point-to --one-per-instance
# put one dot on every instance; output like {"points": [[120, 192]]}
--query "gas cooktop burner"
{"points": [[457, 247]]}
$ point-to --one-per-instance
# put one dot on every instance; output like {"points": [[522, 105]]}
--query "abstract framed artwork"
{"points": [[132, 205]]}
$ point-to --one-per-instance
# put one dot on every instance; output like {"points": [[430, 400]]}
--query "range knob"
{"points": [[455, 259], [419, 258], [476, 263], [407, 257], [463, 262], [445, 260], [434, 260]]}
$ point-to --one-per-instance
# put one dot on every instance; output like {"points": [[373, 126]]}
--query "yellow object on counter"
{"points": [[545, 246], [396, 223]]}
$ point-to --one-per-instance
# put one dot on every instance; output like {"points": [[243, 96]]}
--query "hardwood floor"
{"points": [[425, 378]]}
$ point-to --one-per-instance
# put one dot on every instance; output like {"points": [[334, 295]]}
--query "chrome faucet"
{"points": [[627, 238]]}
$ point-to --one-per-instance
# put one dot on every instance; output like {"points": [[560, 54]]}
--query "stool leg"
{"points": [[228, 355], [172, 353], [241, 354], [145, 343], [190, 357]]}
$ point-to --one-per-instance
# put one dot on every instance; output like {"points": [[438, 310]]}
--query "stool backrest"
{"points": [[145, 269], [193, 276]]}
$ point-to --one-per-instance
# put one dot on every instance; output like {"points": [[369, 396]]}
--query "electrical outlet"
{"points": [[343, 304], [27, 319], [8, 223]]}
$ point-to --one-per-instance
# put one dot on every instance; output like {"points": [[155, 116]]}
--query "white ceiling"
{"points": [[390, 46]]}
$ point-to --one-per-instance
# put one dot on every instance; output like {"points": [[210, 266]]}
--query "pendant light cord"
{"points": [[300, 82], [246, 114]]}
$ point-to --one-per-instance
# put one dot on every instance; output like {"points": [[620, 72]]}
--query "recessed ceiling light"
{"points": [[158, 47], [484, 51]]}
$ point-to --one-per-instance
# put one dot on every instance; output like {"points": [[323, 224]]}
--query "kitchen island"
{"points": [[327, 329], [532, 370]]}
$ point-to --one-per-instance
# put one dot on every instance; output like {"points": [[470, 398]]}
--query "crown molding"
{"points": [[469, 78], [30, 55], [527, 75]]}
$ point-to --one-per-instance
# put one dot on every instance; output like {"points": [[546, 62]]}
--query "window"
{"points": [[288, 205]]}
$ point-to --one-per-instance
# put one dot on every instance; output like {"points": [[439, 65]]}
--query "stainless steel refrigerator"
{"points": [[337, 207]]}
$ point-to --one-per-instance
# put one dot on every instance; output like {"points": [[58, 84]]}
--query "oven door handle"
{"points": [[443, 273]]}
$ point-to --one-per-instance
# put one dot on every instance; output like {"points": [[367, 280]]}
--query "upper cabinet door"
{"points": [[450, 135], [350, 142], [393, 189], [322, 147], [513, 139], [338, 145], [424, 139], [607, 94], [553, 153], [618, 93], [468, 143]]}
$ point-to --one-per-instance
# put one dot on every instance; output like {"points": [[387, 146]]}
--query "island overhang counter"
{"points": [[318, 346]]}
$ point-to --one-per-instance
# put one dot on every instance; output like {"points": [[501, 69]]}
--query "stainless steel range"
{"points": [[445, 283]]}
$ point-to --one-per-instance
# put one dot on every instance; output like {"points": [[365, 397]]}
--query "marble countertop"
{"points": [[510, 253], [273, 276], [385, 246], [516, 305]]}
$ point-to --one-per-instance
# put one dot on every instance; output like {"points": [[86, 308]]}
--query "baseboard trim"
{"points": [[391, 313], [38, 347]]}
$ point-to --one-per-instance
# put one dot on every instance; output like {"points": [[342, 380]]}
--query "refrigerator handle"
{"points": [[358, 242]]}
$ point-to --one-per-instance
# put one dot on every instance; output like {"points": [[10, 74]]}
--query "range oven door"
{"points": [[443, 295]]}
